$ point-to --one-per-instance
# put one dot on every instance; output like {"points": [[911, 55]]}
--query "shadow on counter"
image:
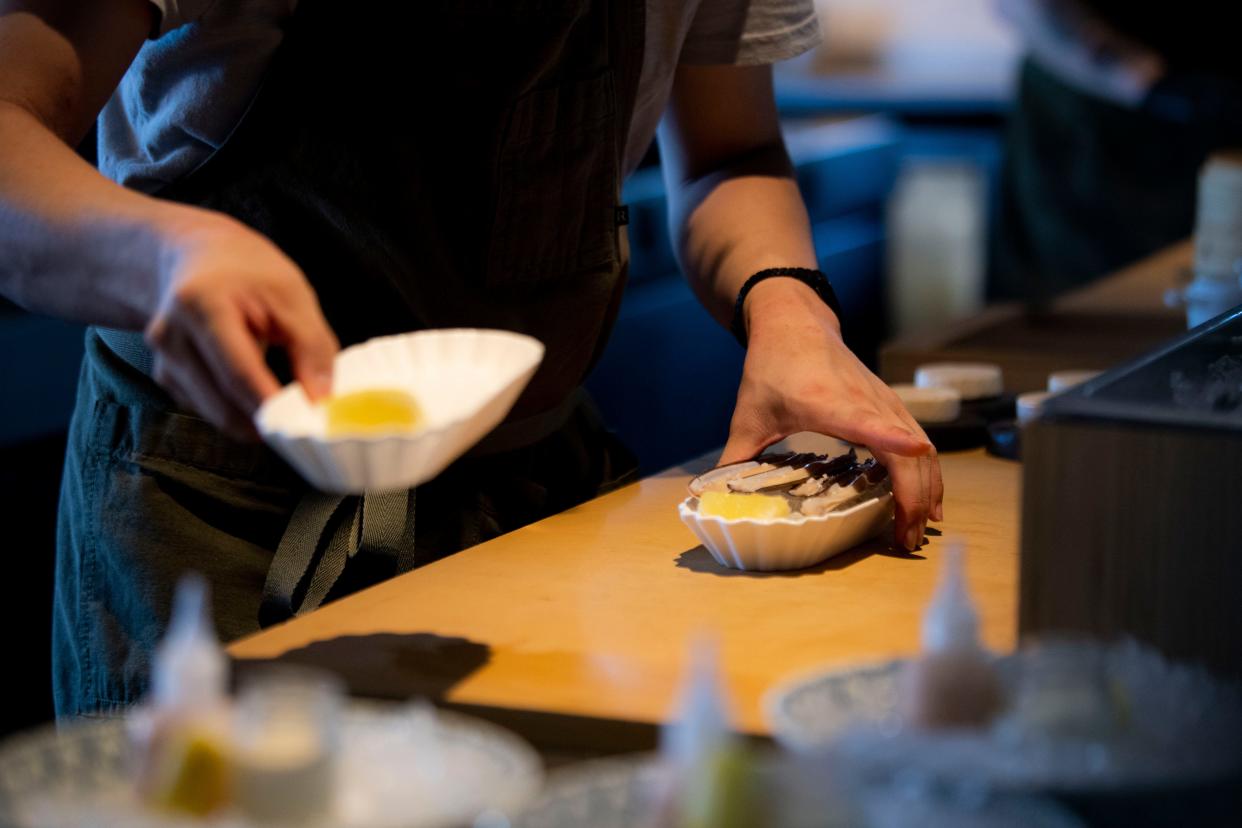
{"points": [[698, 559], [387, 665]]}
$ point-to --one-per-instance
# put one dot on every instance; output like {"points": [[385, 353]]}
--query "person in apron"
{"points": [[416, 185]]}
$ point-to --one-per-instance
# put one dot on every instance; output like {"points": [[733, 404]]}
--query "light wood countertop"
{"points": [[1097, 326], [588, 613]]}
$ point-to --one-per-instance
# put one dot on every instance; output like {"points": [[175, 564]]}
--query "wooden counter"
{"points": [[585, 617], [1095, 327]]}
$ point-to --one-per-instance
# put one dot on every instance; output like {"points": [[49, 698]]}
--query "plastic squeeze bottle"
{"points": [[181, 736], [952, 683], [711, 781]]}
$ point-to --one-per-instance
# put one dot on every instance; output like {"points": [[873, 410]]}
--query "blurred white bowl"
{"points": [[786, 543], [465, 381]]}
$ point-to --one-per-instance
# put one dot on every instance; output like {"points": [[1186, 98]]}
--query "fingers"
{"points": [[311, 345], [235, 359], [875, 429], [214, 360], [911, 497], [937, 490], [186, 377], [931, 469]]}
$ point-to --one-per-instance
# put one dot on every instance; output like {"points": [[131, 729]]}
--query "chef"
{"points": [[277, 179]]}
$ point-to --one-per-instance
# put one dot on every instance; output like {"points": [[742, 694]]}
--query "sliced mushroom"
{"points": [[831, 499], [868, 481], [774, 479], [809, 488], [716, 480], [813, 483]]}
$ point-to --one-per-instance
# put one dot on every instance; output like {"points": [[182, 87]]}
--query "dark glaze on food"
{"points": [[812, 483]]}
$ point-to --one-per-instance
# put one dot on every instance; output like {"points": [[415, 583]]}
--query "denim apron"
{"points": [[431, 164]]}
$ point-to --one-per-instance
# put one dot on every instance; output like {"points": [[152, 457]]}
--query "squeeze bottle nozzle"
{"points": [[702, 724], [950, 622], [190, 667]]}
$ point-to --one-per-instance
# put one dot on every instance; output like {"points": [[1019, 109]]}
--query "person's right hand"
{"points": [[225, 295]]}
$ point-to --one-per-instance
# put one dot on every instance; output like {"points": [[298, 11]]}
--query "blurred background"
{"points": [[922, 175]]}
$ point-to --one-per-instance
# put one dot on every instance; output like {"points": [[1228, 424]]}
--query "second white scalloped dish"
{"points": [[465, 380], [1178, 726], [786, 543], [400, 767]]}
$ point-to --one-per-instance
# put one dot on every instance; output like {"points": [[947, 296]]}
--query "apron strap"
{"points": [[327, 531]]}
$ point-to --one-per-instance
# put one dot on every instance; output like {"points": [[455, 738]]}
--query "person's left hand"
{"points": [[800, 376]]}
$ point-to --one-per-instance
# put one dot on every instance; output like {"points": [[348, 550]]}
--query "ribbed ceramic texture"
{"points": [[1176, 725], [786, 543], [398, 768], [466, 380], [623, 792]]}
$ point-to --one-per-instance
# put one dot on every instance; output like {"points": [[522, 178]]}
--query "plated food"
{"points": [[805, 483], [403, 408], [788, 510]]}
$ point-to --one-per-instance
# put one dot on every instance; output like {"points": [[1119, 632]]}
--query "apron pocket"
{"points": [[557, 186], [170, 494]]}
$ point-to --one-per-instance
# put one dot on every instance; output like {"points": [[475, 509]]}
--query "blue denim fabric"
{"points": [[148, 493]]}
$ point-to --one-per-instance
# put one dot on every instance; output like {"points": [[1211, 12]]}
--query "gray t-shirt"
{"points": [[190, 83]]}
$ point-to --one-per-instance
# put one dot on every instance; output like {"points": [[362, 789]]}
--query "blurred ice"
{"points": [[1219, 389]]}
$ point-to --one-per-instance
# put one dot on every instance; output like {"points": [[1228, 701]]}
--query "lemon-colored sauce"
{"points": [[372, 411], [744, 506], [197, 776]]}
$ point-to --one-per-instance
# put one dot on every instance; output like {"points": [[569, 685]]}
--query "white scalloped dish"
{"points": [[798, 540], [465, 381]]}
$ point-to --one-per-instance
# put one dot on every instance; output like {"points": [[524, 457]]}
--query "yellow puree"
{"points": [[373, 411], [198, 777], [732, 506]]}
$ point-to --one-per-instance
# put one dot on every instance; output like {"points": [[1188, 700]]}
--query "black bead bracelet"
{"points": [[814, 279]]}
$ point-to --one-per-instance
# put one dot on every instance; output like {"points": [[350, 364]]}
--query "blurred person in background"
{"points": [[1118, 106], [299, 178]]}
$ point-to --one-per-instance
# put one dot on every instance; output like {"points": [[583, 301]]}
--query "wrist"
{"points": [[185, 233], [785, 301]]}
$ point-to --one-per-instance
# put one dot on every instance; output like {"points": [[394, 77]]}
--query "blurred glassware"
{"points": [[1218, 218], [401, 766], [936, 244], [287, 738], [1216, 285]]}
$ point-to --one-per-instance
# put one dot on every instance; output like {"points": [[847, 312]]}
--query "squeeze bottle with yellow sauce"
{"points": [[180, 738]]}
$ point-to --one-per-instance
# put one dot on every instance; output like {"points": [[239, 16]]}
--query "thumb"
{"points": [[742, 445]]}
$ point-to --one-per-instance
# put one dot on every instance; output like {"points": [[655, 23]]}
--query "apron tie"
{"points": [[325, 532]]}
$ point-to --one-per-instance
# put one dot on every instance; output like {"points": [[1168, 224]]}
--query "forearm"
{"points": [[742, 217], [72, 243]]}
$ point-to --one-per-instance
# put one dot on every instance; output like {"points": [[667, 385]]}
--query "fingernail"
{"points": [[912, 538], [938, 513]]}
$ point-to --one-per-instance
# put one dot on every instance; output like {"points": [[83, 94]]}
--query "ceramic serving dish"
{"points": [[624, 792], [794, 542], [400, 767], [1082, 717], [465, 381]]}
